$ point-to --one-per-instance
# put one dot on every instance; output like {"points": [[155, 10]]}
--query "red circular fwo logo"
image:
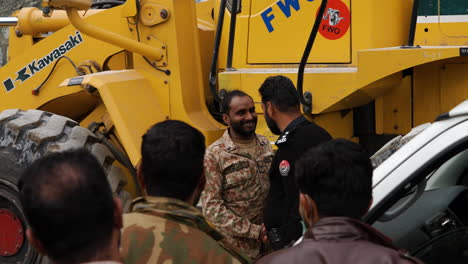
{"points": [[284, 168], [335, 20]]}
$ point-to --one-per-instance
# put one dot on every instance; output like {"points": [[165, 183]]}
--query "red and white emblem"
{"points": [[284, 168], [335, 21]]}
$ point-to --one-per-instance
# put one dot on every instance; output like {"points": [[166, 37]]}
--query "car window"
{"points": [[438, 215]]}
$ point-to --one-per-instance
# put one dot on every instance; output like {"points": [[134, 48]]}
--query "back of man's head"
{"points": [[69, 205], [337, 175], [281, 92], [172, 159]]}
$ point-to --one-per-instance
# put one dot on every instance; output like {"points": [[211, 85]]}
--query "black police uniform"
{"points": [[281, 213]]}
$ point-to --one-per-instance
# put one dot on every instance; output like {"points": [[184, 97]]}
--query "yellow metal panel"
{"points": [[205, 13], [379, 24], [97, 115], [432, 30], [279, 29], [426, 93], [129, 9], [454, 85], [393, 109], [17, 45], [206, 36], [133, 100]]}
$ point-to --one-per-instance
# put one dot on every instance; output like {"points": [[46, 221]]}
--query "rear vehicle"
{"points": [[421, 191]]}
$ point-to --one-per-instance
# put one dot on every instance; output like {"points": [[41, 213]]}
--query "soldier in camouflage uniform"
{"points": [[236, 170], [164, 226]]}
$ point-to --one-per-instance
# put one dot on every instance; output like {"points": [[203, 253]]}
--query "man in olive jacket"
{"points": [[165, 226], [335, 184]]}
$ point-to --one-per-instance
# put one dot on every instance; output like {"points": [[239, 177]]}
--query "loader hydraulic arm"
{"points": [[73, 6]]}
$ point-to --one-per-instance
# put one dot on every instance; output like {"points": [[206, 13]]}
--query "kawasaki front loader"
{"points": [[98, 75]]}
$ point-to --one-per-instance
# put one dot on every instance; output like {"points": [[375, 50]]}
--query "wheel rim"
{"points": [[13, 248], [11, 233]]}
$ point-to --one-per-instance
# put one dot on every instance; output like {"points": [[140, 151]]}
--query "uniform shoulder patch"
{"points": [[284, 168], [283, 138]]}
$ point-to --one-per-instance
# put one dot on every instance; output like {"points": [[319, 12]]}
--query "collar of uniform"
{"points": [[179, 211], [291, 126], [164, 203], [230, 146], [102, 262]]}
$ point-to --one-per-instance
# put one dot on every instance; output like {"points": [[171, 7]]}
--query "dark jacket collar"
{"points": [[344, 228], [294, 124], [291, 126]]}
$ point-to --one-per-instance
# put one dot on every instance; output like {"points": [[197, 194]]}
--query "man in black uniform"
{"points": [[280, 103]]}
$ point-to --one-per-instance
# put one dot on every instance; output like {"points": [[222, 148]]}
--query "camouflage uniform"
{"points": [[236, 189], [165, 230]]}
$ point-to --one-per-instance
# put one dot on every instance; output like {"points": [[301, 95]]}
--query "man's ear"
{"points": [[141, 179], [202, 182], [304, 209], [194, 199], [35, 242], [370, 204], [118, 211], [270, 109], [226, 120], [308, 209]]}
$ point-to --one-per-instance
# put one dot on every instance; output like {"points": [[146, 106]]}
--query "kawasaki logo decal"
{"points": [[38, 64]]}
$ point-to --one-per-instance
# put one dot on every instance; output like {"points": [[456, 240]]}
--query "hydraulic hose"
{"points": [[414, 21], [214, 61], [232, 34], [306, 99]]}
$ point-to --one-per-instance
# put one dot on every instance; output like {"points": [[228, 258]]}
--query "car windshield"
{"points": [[395, 144]]}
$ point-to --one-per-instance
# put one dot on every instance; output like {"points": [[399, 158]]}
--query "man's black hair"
{"points": [[226, 102], [172, 159], [281, 92], [337, 175], [68, 203]]}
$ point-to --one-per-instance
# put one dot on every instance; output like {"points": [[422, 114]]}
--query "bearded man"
{"points": [[236, 170], [280, 103]]}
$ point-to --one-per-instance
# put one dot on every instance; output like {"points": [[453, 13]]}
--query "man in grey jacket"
{"points": [[335, 184]]}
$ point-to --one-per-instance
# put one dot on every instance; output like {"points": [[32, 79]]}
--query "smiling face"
{"points": [[241, 118]]}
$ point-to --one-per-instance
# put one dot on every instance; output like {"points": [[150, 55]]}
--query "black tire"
{"points": [[28, 135]]}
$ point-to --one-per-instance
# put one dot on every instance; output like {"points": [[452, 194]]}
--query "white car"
{"points": [[420, 190]]}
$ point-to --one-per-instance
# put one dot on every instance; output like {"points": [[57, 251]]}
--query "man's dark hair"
{"points": [[281, 92], [337, 175], [226, 102], [172, 159], [68, 203]]}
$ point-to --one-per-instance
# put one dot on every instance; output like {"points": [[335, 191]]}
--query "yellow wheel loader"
{"points": [[98, 75]]}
